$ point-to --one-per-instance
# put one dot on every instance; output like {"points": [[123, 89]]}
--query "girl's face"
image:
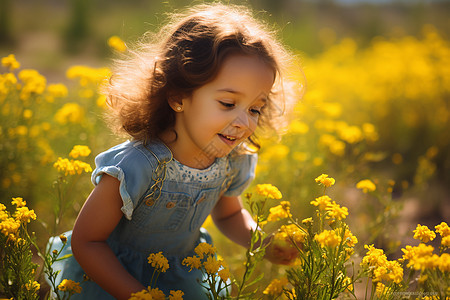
{"points": [[221, 114]]}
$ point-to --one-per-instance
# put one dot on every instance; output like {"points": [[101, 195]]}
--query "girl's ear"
{"points": [[176, 103]]}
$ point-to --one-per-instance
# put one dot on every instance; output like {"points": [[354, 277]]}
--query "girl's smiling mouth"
{"points": [[228, 139]]}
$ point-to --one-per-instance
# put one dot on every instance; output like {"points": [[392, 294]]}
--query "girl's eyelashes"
{"points": [[255, 111], [226, 104]]}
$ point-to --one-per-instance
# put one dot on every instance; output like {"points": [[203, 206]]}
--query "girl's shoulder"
{"points": [[134, 158], [239, 160], [135, 152]]}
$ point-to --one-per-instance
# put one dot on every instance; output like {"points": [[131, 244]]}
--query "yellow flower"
{"points": [[33, 83], [443, 262], [157, 294], [70, 286], [307, 221], [325, 180], [224, 274], [298, 127], [446, 241], [176, 295], [211, 265], [10, 62], [57, 90], [87, 75], [278, 212], [420, 257], [423, 233], [193, 262], [158, 261], [24, 215], [19, 202], [366, 186], [275, 288], [328, 238], [80, 150], [269, 191], [69, 113], [117, 44], [350, 134], [9, 226], [71, 167], [291, 233], [3, 213], [322, 202], [443, 229], [32, 286], [204, 248], [374, 257], [141, 295], [394, 272], [381, 290], [350, 239], [336, 211]]}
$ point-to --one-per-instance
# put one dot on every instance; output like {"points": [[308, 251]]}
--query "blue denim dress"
{"points": [[164, 205]]}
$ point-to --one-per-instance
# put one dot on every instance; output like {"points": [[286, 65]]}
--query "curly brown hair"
{"points": [[186, 54]]}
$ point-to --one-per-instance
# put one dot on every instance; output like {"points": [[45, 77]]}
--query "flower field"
{"points": [[375, 119]]}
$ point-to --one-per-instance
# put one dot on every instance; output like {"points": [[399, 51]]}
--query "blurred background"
{"points": [[376, 107]]}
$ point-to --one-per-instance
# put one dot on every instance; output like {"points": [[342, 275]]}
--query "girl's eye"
{"points": [[226, 104], [255, 112]]}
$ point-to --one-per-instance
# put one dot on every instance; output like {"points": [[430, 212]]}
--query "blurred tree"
{"points": [[78, 27], [5, 21]]}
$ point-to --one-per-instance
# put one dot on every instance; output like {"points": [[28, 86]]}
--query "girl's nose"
{"points": [[242, 120]]}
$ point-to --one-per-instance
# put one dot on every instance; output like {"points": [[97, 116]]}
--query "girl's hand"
{"points": [[281, 252]]}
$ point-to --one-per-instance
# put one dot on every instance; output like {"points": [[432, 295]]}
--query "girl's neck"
{"points": [[196, 159]]}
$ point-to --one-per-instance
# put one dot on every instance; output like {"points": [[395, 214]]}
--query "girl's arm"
{"points": [[235, 222], [97, 219]]}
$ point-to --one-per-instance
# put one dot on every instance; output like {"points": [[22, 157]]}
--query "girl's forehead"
{"points": [[242, 70]]}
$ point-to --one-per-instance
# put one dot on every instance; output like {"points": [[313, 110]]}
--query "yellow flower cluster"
{"points": [[33, 83], [69, 113], [380, 268], [71, 167], [203, 249], [80, 150], [279, 212], [70, 286], [269, 191], [56, 90], [328, 238], [366, 186], [206, 259], [156, 294], [423, 233], [10, 62], [444, 230], [325, 180], [158, 261], [335, 211], [116, 43], [291, 233], [275, 287], [322, 202], [32, 286], [9, 225], [87, 75], [421, 257]]}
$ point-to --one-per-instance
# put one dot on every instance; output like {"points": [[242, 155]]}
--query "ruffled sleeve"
{"points": [[131, 167], [243, 170]]}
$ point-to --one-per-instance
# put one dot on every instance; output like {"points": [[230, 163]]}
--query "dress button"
{"points": [[149, 202], [170, 205]]}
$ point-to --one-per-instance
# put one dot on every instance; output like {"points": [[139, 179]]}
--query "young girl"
{"points": [[190, 102]]}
